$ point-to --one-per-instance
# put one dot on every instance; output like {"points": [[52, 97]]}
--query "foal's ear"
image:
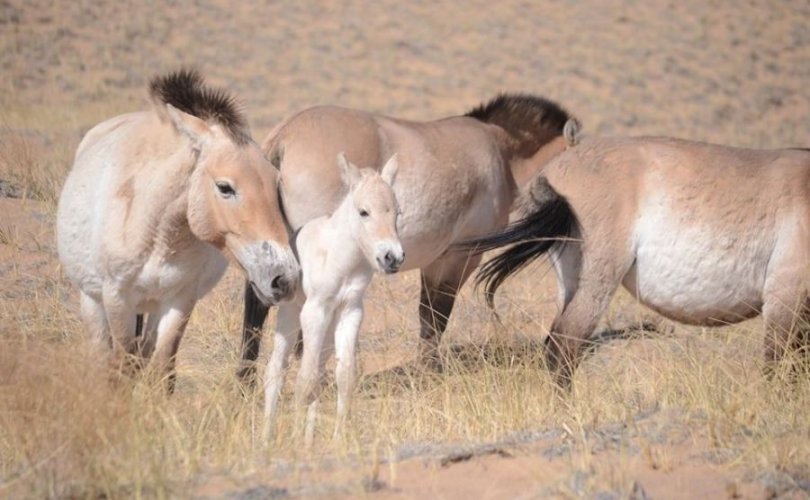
{"points": [[390, 169], [350, 173], [192, 127]]}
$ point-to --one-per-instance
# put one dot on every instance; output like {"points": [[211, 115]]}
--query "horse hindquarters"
{"points": [[588, 279], [786, 302]]}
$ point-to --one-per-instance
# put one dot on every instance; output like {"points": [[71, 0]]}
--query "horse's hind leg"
{"points": [[441, 281], [584, 301], [786, 312]]}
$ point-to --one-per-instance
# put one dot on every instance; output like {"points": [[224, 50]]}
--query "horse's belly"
{"points": [[697, 277]]}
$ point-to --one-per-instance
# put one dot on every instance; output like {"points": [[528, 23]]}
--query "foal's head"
{"points": [[374, 213], [233, 189]]}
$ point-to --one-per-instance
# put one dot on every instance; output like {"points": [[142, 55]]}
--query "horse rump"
{"points": [[549, 220]]}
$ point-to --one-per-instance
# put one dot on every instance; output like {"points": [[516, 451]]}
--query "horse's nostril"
{"points": [[278, 283]]}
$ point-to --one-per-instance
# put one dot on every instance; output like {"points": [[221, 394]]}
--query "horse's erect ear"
{"points": [[192, 127], [571, 132], [390, 169], [349, 172]]}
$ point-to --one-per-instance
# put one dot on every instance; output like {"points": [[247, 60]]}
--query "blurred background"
{"points": [[732, 72]]}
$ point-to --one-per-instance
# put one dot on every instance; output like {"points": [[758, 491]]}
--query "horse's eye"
{"points": [[225, 189], [363, 213]]}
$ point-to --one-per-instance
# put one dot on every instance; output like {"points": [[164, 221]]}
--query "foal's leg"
{"points": [[287, 328], [441, 281], [346, 332], [252, 325], [316, 320], [171, 326]]}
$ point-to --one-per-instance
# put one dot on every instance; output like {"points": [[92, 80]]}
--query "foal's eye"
{"points": [[363, 213], [225, 189]]}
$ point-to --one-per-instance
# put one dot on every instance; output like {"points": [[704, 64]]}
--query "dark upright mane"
{"points": [[531, 120], [185, 90]]}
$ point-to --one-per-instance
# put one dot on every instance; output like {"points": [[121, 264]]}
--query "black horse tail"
{"points": [[549, 221]]}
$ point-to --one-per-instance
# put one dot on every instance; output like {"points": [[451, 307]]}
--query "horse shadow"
{"points": [[470, 358]]}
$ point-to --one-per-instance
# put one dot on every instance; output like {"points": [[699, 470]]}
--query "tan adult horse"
{"points": [[153, 201], [702, 234], [457, 177]]}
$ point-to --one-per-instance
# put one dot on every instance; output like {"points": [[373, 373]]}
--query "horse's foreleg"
{"points": [[170, 329], [95, 321], [346, 332], [121, 323], [441, 281], [252, 325], [148, 337], [316, 320], [287, 328]]}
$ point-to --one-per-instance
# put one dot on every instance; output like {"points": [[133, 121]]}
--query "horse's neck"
{"points": [[170, 230]]}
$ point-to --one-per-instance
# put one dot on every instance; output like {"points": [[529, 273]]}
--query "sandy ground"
{"points": [[730, 72]]}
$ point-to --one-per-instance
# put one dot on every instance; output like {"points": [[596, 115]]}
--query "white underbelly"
{"points": [[699, 275]]}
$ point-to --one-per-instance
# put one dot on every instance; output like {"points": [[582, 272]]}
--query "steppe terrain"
{"points": [[664, 411]]}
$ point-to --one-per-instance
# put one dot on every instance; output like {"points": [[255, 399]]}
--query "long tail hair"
{"points": [[549, 221]]}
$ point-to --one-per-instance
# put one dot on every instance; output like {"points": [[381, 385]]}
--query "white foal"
{"points": [[338, 255]]}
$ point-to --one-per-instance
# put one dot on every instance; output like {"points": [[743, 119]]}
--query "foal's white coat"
{"points": [[338, 255]]}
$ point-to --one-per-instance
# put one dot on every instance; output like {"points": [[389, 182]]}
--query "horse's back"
{"points": [[450, 183]]}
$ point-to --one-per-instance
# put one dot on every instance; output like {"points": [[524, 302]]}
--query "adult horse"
{"points": [[153, 200], [703, 234], [458, 177]]}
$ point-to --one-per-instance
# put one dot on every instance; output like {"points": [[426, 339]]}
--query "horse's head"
{"points": [[375, 213], [233, 200]]}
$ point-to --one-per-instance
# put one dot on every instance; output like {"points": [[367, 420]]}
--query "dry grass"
{"points": [[65, 430], [682, 403]]}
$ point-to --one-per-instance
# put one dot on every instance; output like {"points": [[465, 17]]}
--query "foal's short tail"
{"points": [[549, 221]]}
